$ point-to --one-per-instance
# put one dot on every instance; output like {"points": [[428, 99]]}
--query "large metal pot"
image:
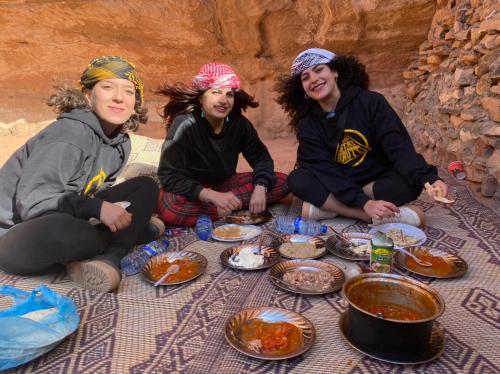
{"points": [[376, 332]]}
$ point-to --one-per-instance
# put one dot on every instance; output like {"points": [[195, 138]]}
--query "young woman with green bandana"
{"points": [[54, 185]]}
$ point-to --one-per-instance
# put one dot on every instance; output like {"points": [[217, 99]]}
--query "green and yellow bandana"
{"points": [[111, 67]]}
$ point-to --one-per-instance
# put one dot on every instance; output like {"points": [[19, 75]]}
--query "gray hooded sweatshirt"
{"points": [[60, 169]]}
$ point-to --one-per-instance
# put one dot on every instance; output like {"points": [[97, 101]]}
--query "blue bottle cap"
{"points": [[323, 229]]}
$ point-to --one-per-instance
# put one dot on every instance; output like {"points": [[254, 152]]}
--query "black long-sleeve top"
{"points": [[193, 155], [373, 141]]}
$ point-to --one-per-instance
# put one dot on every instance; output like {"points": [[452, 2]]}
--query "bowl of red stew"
{"points": [[391, 313]]}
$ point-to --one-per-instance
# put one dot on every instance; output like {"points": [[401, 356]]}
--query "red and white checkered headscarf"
{"points": [[216, 75]]}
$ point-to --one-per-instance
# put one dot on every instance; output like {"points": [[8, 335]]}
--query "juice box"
{"points": [[381, 253]]}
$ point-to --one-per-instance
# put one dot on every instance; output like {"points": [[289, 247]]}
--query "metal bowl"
{"points": [[299, 238], [279, 270], [244, 217], [394, 336], [269, 314], [340, 249], [455, 266], [170, 257], [271, 256]]}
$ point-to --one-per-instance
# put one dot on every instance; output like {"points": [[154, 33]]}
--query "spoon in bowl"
{"points": [[341, 237], [171, 270], [415, 258]]}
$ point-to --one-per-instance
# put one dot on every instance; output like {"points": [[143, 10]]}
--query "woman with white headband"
{"points": [[355, 156], [206, 133]]}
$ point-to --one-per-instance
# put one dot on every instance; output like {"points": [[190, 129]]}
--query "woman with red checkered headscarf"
{"points": [[206, 132]]}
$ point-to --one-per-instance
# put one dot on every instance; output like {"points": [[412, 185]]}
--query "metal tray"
{"points": [[271, 256], [279, 270], [171, 257], [269, 314]]}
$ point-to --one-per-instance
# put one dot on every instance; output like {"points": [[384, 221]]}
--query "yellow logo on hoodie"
{"points": [[94, 184], [352, 149]]}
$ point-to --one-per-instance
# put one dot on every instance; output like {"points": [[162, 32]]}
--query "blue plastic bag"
{"points": [[34, 324]]}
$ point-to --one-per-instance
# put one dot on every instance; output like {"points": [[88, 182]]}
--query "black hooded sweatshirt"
{"points": [[193, 155], [372, 141]]}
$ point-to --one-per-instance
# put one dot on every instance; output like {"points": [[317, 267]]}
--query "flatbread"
{"points": [[435, 193]]}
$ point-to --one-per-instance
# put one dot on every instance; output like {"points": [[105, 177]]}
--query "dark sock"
{"points": [[149, 234]]}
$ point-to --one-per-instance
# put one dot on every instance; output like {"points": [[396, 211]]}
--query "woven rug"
{"points": [[142, 329]]}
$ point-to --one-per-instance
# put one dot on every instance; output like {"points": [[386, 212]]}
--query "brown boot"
{"points": [[95, 275]]}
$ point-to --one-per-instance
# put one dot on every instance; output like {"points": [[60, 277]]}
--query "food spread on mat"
{"points": [[247, 258], [400, 238], [437, 194], [317, 280], [440, 267], [359, 248], [228, 232], [245, 217], [235, 232], [397, 312], [300, 249], [273, 338], [187, 269]]}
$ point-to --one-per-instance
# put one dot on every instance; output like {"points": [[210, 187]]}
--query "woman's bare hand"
{"points": [[379, 209], [225, 201], [115, 217], [439, 188], [258, 199]]}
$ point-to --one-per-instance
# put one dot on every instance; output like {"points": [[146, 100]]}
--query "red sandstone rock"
{"points": [[45, 42], [492, 106]]}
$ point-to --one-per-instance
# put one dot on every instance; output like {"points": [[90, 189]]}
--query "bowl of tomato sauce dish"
{"points": [[390, 313]]}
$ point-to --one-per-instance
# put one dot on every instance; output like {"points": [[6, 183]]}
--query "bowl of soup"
{"points": [[391, 313]]}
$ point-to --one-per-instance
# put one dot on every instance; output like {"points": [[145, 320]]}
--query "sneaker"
{"points": [[95, 275], [409, 214], [313, 212], [156, 226]]}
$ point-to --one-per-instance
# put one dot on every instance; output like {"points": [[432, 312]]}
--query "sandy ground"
{"points": [[8, 144]]}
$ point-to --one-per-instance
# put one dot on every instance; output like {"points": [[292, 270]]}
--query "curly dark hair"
{"points": [[185, 99], [351, 72], [66, 99]]}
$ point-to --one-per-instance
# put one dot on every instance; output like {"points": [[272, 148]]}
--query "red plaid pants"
{"points": [[175, 209]]}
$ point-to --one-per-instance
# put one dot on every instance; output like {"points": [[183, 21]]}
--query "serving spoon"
{"points": [[340, 236], [171, 270], [415, 258]]}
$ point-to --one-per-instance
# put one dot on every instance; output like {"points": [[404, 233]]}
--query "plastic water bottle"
{"points": [[133, 262], [299, 225], [204, 227]]}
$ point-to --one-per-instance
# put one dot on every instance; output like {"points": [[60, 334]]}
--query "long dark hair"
{"points": [[351, 72], [185, 99], [66, 99]]}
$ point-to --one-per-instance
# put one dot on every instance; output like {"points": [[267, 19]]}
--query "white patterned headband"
{"points": [[310, 57]]}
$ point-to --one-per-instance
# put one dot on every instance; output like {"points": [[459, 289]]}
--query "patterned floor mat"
{"points": [[142, 329]]}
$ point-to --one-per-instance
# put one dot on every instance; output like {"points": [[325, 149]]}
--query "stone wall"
{"points": [[453, 109], [47, 42]]}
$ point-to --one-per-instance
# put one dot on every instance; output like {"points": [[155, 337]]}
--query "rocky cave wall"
{"points": [[453, 109], [48, 42]]}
